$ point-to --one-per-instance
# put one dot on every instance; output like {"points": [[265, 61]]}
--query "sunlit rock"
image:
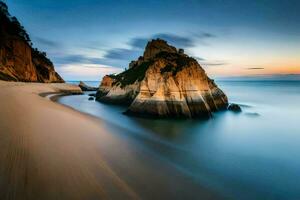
{"points": [[164, 83]]}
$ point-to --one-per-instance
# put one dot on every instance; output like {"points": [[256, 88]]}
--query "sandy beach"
{"points": [[50, 151]]}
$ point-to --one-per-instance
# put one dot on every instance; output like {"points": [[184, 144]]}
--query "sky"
{"points": [[87, 39]]}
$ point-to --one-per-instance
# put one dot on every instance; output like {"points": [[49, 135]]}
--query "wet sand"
{"points": [[50, 151]]}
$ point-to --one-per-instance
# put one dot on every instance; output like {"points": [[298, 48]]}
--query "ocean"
{"points": [[249, 155]]}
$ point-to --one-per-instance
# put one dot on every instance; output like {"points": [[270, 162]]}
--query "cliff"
{"points": [[164, 82], [18, 60]]}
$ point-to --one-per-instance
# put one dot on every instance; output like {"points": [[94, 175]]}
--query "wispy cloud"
{"points": [[214, 63], [88, 71], [122, 54], [120, 57], [199, 58], [66, 59], [137, 44], [84, 61], [176, 40], [71, 59], [255, 68], [204, 35], [47, 42], [93, 45]]}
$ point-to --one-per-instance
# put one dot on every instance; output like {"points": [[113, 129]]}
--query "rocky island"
{"points": [[164, 82], [19, 61]]}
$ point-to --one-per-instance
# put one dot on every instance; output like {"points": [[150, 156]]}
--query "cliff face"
{"points": [[18, 60], [165, 83], [44, 68]]}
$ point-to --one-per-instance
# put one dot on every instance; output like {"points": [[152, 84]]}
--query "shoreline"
{"points": [[26, 148], [51, 151]]}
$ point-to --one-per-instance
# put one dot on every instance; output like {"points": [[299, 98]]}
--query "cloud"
{"points": [[88, 71], [122, 54], [176, 40], [204, 35], [199, 58], [212, 63], [93, 45], [255, 68], [47, 42], [137, 44], [71, 59], [83, 60]]}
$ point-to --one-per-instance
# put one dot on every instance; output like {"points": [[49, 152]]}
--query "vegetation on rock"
{"points": [[131, 75], [10, 25], [18, 60]]}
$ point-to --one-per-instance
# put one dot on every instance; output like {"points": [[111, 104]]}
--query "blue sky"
{"points": [[87, 39]]}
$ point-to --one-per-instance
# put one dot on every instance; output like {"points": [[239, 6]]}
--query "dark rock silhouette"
{"points": [[234, 107]]}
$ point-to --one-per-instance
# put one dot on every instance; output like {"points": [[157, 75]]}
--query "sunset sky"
{"points": [[89, 38]]}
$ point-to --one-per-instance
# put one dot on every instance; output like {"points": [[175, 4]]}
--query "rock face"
{"points": [[44, 68], [18, 60], [85, 87], [164, 82]]}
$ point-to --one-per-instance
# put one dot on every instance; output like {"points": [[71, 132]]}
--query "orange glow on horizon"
{"points": [[237, 71]]}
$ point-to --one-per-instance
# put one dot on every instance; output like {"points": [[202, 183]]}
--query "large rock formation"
{"points": [[18, 60], [164, 82]]}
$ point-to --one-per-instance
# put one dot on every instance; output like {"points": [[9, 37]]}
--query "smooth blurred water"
{"points": [[250, 155]]}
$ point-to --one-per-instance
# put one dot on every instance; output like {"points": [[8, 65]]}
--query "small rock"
{"points": [[234, 107], [91, 99]]}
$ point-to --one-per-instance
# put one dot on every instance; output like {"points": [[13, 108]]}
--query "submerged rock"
{"points": [[164, 82], [92, 95], [85, 87], [234, 107]]}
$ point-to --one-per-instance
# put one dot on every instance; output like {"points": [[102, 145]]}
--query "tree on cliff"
{"points": [[14, 56], [3, 8], [10, 25], [17, 29]]}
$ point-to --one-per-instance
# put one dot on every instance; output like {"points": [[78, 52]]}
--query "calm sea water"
{"points": [[89, 83], [250, 155]]}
